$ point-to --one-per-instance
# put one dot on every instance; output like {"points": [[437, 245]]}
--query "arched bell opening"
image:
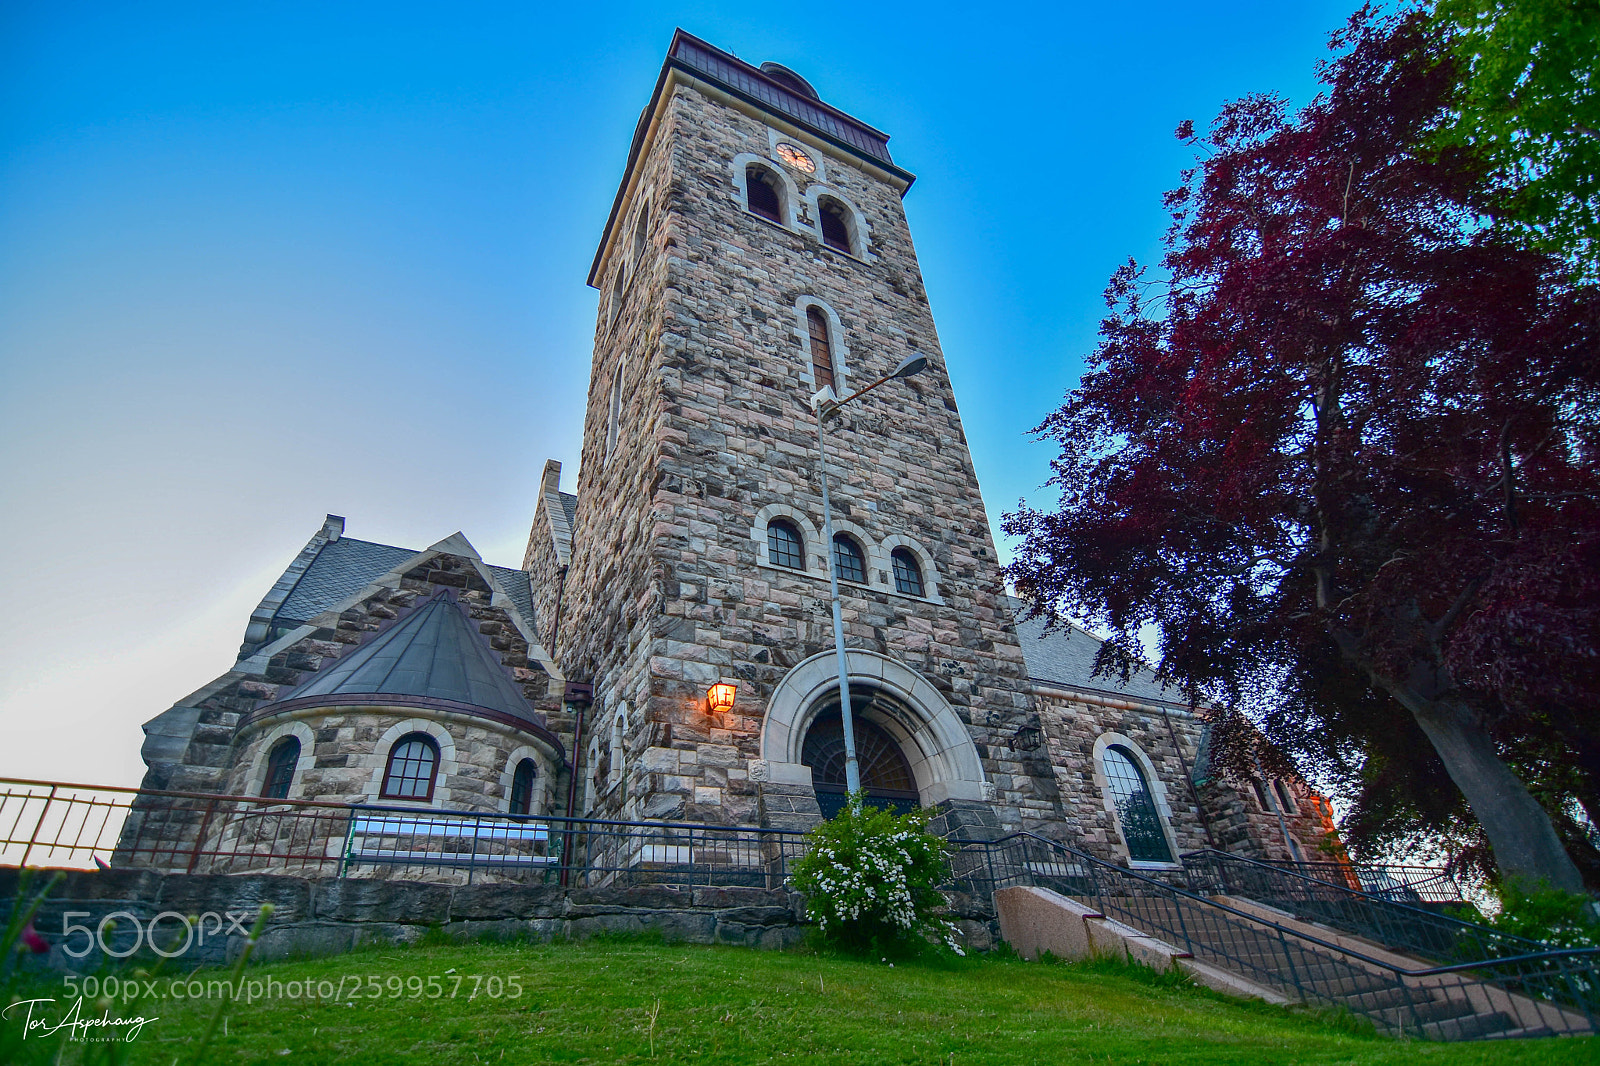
{"points": [[886, 774]]}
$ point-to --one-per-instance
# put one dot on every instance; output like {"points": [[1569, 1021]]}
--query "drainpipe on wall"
{"points": [[580, 696], [1194, 789]]}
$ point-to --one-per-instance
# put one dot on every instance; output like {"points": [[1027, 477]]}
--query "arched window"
{"points": [[1261, 794], [821, 347], [413, 763], [617, 286], [907, 572], [835, 230], [641, 233], [847, 558], [280, 768], [1283, 796], [619, 747], [1136, 808], [761, 194], [614, 413], [784, 546], [522, 787]]}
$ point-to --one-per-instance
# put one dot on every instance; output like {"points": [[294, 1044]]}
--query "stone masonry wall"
{"points": [[328, 916], [669, 591], [1071, 727], [215, 761]]}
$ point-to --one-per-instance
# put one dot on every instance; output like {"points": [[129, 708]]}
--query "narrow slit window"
{"points": [[907, 572], [280, 768], [615, 310], [761, 194], [1284, 798], [641, 234], [413, 762], [614, 414], [821, 348], [784, 547], [847, 559], [1261, 795], [835, 230]]}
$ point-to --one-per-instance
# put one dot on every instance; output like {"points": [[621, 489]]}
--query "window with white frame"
{"points": [[1135, 806]]}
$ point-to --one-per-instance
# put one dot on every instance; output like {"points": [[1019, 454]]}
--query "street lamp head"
{"points": [[911, 364]]}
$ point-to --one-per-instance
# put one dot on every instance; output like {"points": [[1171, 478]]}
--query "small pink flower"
{"points": [[35, 942]]}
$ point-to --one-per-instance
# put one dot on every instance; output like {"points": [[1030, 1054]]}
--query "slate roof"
{"points": [[569, 504], [435, 653], [346, 566], [1065, 655]]}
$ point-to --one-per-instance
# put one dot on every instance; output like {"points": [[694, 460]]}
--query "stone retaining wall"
{"points": [[327, 916]]}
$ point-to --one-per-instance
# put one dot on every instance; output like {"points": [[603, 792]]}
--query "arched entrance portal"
{"points": [[926, 732], [886, 775]]}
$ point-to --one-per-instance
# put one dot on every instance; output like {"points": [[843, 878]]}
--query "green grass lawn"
{"points": [[594, 1002]]}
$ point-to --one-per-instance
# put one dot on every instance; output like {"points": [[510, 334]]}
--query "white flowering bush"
{"points": [[871, 877]]}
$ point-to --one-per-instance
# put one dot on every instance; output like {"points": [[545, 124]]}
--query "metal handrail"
{"points": [[1558, 988], [1408, 917], [1164, 887]]}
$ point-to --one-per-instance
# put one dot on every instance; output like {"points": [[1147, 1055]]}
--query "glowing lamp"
{"points": [[719, 697]]}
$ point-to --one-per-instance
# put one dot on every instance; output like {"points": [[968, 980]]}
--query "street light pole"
{"points": [[852, 772], [912, 364]]}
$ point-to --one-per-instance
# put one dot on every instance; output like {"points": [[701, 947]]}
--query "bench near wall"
{"points": [[327, 916]]}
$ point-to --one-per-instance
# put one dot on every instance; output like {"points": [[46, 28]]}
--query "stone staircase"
{"points": [[1054, 898]]}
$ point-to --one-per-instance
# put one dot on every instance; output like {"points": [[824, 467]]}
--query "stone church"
{"points": [[756, 255]]}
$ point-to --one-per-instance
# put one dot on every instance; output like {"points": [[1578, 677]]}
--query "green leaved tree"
{"points": [[1531, 108]]}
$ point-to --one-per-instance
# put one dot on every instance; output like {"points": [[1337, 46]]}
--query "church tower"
{"points": [[757, 251]]}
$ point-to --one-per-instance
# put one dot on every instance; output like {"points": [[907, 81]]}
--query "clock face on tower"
{"points": [[796, 158]]}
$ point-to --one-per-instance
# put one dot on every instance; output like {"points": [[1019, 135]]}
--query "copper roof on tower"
{"points": [[771, 87]]}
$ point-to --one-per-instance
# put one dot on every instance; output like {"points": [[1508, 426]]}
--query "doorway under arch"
{"points": [[886, 775]]}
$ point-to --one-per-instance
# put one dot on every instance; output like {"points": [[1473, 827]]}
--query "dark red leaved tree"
{"points": [[1346, 453]]}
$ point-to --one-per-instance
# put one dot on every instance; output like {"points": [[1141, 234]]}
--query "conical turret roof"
{"points": [[433, 653]]}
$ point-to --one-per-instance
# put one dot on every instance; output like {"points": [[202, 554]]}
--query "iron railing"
{"points": [[65, 825], [1400, 926], [1395, 882], [1540, 993]]}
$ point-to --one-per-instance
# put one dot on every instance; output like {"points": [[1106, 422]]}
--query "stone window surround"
{"points": [[378, 760], [841, 350], [1158, 795], [877, 553], [787, 191], [940, 748], [264, 745], [820, 185], [855, 222], [538, 803]]}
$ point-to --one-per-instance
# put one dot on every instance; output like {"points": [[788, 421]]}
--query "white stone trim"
{"points": [[855, 221], [790, 194], [930, 571], [810, 536], [1158, 794], [378, 759], [869, 551], [939, 747], [264, 745], [841, 350], [542, 785]]}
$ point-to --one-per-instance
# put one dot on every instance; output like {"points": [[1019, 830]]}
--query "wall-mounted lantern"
{"points": [[719, 697]]}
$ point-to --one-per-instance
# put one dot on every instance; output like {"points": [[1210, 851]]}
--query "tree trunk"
{"points": [[1526, 847]]}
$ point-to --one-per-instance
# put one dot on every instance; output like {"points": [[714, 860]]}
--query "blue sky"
{"points": [[259, 263]]}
